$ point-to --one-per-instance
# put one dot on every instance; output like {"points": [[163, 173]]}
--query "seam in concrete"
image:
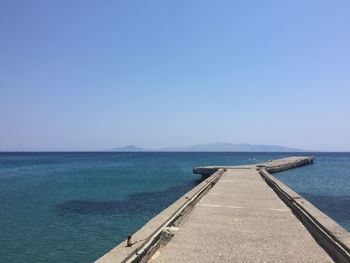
{"points": [[277, 209], [225, 206]]}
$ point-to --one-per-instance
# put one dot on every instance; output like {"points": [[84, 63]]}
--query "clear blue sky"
{"points": [[90, 75]]}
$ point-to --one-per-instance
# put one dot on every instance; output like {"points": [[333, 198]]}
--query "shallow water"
{"points": [[74, 207]]}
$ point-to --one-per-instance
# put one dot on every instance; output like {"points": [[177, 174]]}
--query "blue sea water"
{"points": [[326, 184], [74, 207]]}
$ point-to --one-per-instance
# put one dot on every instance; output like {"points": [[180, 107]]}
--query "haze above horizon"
{"points": [[87, 75]]}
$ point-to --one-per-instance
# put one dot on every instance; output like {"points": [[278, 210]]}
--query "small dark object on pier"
{"points": [[128, 241]]}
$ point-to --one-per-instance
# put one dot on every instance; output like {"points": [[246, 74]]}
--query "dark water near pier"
{"points": [[74, 207]]}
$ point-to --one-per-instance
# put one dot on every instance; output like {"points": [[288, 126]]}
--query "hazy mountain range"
{"points": [[213, 147]]}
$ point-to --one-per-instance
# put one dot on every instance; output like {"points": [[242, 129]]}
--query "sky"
{"points": [[93, 75]]}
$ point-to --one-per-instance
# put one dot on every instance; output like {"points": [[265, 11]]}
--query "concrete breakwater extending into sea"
{"points": [[75, 207], [237, 205]]}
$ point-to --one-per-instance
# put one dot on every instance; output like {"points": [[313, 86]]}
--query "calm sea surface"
{"points": [[74, 207]]}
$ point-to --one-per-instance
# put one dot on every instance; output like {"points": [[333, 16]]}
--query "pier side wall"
{"points": [[147, 240], [334, 239]]}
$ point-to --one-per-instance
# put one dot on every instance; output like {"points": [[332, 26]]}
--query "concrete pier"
{"points": [[271, 166], [241, 220], [239, 214]]}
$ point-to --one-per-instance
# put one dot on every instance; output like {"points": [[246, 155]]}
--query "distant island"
{"points": [[212, 147], [128, 148]]}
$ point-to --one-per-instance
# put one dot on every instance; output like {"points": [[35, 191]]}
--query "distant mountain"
{"points": [[128, 148], [229, 147], [214, 147]]}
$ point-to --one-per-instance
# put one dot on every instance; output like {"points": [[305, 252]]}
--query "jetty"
{"points": [[238, 214]]}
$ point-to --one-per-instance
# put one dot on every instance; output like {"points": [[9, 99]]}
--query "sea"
{"points": [[76, 206]]}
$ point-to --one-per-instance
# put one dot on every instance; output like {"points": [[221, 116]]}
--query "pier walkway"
{"points": [[238, 214], [241, 219]]}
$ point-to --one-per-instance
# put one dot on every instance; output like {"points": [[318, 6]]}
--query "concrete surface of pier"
{"points": [[241, 220]]}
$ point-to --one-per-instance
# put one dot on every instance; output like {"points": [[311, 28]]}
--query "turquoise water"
{"points": [[74, 207]]}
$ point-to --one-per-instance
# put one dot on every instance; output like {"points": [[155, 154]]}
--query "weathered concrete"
{"points": [[241, 220]]}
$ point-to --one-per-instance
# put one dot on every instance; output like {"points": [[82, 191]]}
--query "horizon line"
{"points": [[160, 151]]}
